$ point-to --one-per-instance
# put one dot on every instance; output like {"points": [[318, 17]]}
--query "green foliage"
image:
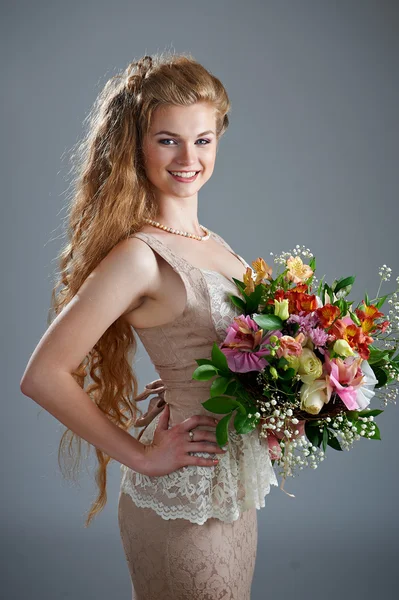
{"points": [[222, 405], [381, 301], [242, 423], [343, 285], [222, 430], [268, 322], [240, 304], [220, 360], [204, 372], [219, 386]]}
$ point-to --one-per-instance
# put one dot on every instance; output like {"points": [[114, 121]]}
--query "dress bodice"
{"points": [[244, 474]]}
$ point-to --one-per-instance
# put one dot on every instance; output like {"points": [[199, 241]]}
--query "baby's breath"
{"points": [[281, 259]]}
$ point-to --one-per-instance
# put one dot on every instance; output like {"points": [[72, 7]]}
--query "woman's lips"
{"points": [[184, 179]]}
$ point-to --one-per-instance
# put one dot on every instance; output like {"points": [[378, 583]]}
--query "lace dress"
{"points": [[221, 499]]}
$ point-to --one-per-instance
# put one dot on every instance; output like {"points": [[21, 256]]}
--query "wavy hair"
{"points": [[111, 197]]}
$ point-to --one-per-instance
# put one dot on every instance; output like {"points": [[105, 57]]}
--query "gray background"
{"points": [[310, 158]]}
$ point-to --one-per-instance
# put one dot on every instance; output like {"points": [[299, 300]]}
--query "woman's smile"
{"points": [[186, 178]]}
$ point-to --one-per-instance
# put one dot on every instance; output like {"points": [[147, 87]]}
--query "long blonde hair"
{"points": [[111, 198]]}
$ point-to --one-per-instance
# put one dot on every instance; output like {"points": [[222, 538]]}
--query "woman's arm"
{"points": [[117, 285]]}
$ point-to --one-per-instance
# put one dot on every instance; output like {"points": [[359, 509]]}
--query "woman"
{"points": [[138, 259]]}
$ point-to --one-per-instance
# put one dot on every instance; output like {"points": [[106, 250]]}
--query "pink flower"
{"points": [[245, 345], [290, 345], [346, 377]]}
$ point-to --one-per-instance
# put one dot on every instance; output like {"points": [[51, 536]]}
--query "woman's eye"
{"points": [[170, 140]]}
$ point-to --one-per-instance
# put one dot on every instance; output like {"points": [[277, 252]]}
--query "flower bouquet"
{"points": [[301, 366]]}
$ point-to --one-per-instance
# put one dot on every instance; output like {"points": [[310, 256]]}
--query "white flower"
{"points": [[365, 392], [313, 396]]}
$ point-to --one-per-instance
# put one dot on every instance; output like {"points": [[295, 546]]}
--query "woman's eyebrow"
{"points": [[177, 135]]}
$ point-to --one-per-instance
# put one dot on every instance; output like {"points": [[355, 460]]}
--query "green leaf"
{"points": [[203, 361], [242, 423], [377, 355], [355, 318], [288, 374], [232, 388], [313, 434], [254, 299], [367, 299], [352, 415], [219, 386], [381, 375], [325, 437], [346, 282], [381, 301], [238, 302], [222, 429], [204, 372], [370, 413], [268, 322], [312, 263], [320, 286], [377, 433], [334, 443], [222, 405], [282, 362], [219, 359]]}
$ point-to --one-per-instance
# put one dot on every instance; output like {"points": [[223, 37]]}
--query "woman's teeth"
{"points": [[181, 174]]}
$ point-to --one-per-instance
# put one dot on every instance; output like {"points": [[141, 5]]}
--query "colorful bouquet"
{"points": [[300, 366]]}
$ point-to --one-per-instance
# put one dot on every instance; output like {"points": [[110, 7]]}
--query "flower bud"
{"points": [[342, 348], [281, 309], [273, 372]]}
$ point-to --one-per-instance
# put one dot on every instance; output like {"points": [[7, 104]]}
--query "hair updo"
{"points": [[134, 80]]}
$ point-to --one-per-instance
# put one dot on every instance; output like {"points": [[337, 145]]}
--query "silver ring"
{"points": [[191, 434]]}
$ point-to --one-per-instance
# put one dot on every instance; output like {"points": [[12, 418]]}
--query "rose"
{"points": [[281, 309], [310, 366], [313, 396]]}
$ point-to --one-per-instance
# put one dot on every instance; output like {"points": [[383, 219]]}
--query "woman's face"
{"points": [[181, 138]]}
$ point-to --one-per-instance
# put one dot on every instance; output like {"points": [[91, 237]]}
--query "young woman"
{"points": [[138, 260]]}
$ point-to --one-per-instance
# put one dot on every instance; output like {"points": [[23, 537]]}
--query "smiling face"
{"points": [[181, 138]]}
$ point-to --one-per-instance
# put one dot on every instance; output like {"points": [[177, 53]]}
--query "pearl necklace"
{"points": [[178, 232]]}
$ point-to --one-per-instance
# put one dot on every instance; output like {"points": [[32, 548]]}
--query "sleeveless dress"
{"points": [[193, 533]]}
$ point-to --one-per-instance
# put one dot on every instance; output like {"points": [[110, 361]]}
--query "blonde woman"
{"points": [[138, 261]]}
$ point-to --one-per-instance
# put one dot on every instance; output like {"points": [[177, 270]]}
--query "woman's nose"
{"points": [[187, 156]]}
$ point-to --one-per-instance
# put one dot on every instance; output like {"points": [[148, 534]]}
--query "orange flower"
{"points": [[262, 270], [368, 315], [327, 314], [249, 282], [300, 301], [345, 329]]}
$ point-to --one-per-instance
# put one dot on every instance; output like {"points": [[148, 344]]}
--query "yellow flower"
{"points": [[297, 271], [281, 309], [342, 348], [310, 367]]}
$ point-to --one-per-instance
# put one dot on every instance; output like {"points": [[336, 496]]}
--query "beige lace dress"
{"points": [[193, 533]]}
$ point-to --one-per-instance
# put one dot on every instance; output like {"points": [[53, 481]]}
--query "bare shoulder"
{"points": [[117, 285]]}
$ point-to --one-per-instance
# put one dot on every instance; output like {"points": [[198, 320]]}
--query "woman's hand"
{"points": [[170, 447]]}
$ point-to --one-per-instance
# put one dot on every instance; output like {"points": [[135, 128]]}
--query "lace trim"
{"points": [[240, 480]]}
